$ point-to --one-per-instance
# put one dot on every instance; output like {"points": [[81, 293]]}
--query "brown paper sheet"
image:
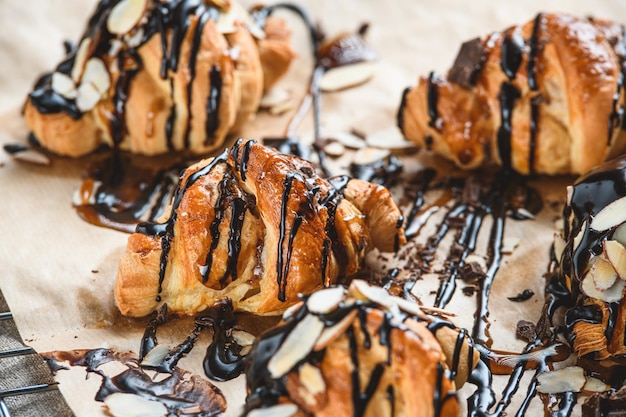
{"points": [[58, 271]]}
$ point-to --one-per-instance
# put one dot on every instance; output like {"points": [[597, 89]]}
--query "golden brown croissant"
{"points": [[592, 259], [358, 352], [544, 97], [152, 77], [258, 227]]}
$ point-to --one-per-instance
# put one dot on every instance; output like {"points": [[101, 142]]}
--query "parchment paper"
{"points": [[57, 271]]}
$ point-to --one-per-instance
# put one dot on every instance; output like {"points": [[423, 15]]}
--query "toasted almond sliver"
{"points": [[390, 138], [274, 97], [63, 85], [325, 301], [612, 215], [579, 236], [595, 385], [334, 149], [125, 15], [368, 156], [509, 244], [155, 356], [296, 346], [613, 294], [347, 76], [347, 139], [615, 253], [88, 96], [559, 247], [80, 58], [330, 333], [312, 378], [97, 74], [570, 379], [121, 404], [243, 338], [620, 234], [603, 274]]}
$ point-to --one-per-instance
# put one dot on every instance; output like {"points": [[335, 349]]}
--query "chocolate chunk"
{"points": [[468, 63], [606, 404], [472, 272], [526, 330]]}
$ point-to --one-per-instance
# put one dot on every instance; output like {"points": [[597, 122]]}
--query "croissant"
{"points": [[545, 97], [258, 227], [152, 77], [358, 352], [592, 267]]}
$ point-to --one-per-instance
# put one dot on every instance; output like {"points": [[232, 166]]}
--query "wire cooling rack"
{"points": [[22, 363]]}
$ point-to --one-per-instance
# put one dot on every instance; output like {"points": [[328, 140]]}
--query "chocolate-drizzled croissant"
{"points": [[592, 259], [151, 77], [544, 97], [258, 227], [359, 352]]}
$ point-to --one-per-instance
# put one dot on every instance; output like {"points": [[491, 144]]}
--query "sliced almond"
{"points": [[410, 307], [274, 97], [570, 379], [243, 338], [155, 356], [296, 346], [579, 236], [595, 385], [347, 139], [121, 404], [125, 15], [559, 247], [615, 253], [312, 378], [227, 23], [603, 274], [96, 73], [390, 138], [280, 410], [610, 216], [366, 292], [611, 295], [80, 58], [620, 234], [292, 310], [509, 243], [570, 194], [334, 149], [135, 39], [282, 108], [522, 212], [331, 333], [347, 76], [64, 85], [367, 156], [88, 96], [325, 301]]}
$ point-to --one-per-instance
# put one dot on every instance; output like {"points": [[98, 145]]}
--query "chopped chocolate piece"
{"points": [[472, 272], [468, 63], [606, 404], [526, 330], [523, 296]]}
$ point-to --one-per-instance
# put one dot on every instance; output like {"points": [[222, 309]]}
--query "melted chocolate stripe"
{"points": [[508, 95], [214, 228], [238, 212], [432, 97], [535, 50], [400, 114], [511, 54], [213, 103], [280, 270]]}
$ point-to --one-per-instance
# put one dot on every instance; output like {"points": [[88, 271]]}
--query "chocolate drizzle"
{"points": [[432, 97]]}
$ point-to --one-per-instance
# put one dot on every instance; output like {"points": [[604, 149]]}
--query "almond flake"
{"points": [[331, 333], [80, 58], [611, 295], [509, 244], [281, 108], [610, 216], [570, 194], [347, 139], [559, 247], [367, 156], [30, 155], [96, 73], [292, 310], [334, 149], [603, 274], [347, 76], [64, 85], [227, 22], [125, 15], [620, 234], [155, 356], [390, 138], [243, 338], [615, 253], [325, 301], [134, 40], [88, 97], [280, 410], [570, 379], [296, 346], [121, 404], [274, 97], [410, 307], [312, 378], [595, 385]]}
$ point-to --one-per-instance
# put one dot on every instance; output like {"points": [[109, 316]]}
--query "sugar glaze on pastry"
{"points": [[152, 76], [544, 97], [258, 227]]}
